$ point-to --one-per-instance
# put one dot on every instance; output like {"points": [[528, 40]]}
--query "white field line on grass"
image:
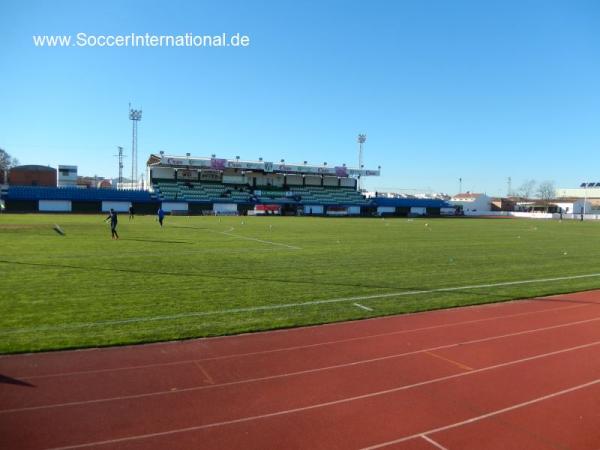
{"points": [[296, 347], [362, 307], [367, 396], [229, 233], [288, 374], [290, 305]]}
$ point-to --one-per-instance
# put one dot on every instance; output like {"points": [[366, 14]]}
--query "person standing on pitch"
{"points": [[113, 223], [161, 216], [131, 212]]}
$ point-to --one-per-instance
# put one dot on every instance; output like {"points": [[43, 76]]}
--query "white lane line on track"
{"points": [[361, 397], [434, 443], [363, 307], [289, 305], [490, 414], [300, 347], [303, 372]]}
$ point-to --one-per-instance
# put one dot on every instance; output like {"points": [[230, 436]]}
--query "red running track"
{"points": [[515, 375]]}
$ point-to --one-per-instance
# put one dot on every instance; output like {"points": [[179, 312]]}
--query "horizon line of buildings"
{"points": [[584, 198]]}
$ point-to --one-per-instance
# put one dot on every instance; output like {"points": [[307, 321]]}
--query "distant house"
{"points": [[32, 175], [563, 205], [472, 203], [504, 204], [67, 176], [575, 205]]}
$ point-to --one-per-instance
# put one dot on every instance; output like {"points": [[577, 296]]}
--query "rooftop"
{"points": [[467, 195], [34, 168]]}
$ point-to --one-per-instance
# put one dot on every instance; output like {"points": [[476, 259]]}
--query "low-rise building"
{"points": [[67, 176], [32, 175], [472, 203]]}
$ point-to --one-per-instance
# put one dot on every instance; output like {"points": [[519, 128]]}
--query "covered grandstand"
{"points": [[230, 185]]}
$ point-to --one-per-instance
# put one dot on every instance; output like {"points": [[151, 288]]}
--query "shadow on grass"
{"points": [[199, 275], [471, 291], [8, 380]]}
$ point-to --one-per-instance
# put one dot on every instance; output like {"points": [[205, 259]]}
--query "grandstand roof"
{"points": [[264, 166]]}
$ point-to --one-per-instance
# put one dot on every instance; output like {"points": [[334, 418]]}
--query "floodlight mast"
{"points": [[120, 156], [135, 115], [362, 138]]}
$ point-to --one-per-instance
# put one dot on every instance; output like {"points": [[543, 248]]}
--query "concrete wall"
{"points": [[313, 209], [234, 179], [174, 206], [348, 182], [277, 180], [266, 181], [312, 180], [294, 180], [594, 215], [117, 206], [225, 208], [337, 212], [163, 173], [55, 206], [330, 181]]}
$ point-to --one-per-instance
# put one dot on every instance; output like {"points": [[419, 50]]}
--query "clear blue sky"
{"points": [[481, 90]]}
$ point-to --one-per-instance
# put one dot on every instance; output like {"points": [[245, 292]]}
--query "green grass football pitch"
{"points": [[206, 276]]}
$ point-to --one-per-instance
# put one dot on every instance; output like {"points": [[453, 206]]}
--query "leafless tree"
{"points": [[546, 190], [7, 161], [527, 188]]}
